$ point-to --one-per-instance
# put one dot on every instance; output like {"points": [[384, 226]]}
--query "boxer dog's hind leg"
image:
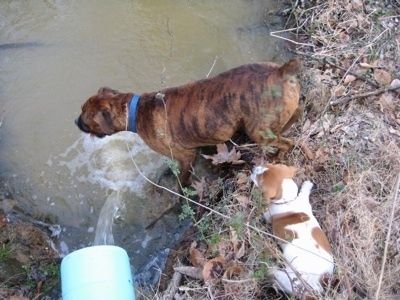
{"points": [[296, 115]]}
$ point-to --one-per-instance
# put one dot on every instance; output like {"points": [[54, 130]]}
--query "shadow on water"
{"points": [[12, 46]]}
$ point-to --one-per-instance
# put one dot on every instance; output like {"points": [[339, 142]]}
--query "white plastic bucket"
{"points": [[97, 273]]}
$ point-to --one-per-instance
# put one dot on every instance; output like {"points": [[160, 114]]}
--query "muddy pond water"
{"points": [[54, 54]]}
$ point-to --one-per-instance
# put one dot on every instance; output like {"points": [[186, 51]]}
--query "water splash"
{"points": [[112, 209]]}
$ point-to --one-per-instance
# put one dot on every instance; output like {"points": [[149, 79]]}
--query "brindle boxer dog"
{"points": [[260, 98]]}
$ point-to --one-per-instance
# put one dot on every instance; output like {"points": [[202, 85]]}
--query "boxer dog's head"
{"points": [[101, 113]]}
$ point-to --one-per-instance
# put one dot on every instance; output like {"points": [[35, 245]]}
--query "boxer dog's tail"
{"points": [[291, 68]]}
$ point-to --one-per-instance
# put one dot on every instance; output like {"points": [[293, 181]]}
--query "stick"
{"points": [[366, 94], [289, 40], [388, 237], [212, 67], [274, 34], [173, 286]]}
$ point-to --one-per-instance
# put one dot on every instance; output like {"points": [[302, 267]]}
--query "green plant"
{"points": [[214, 239], [338, 188], [5, 251], [237, 223], [203, 226], [188, 192], [262, 273], [258, 200], [264, 264], [174, 166], [51, 270], [46, 272], [29, 281], [216, 189], [187, 212]]}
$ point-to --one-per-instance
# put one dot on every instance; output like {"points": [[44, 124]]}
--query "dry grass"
{"points": [[350, 151], [356, 151]]}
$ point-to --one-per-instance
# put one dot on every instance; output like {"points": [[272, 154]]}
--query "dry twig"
{"points": [[388, 236], [366, 94], [173, 286]]}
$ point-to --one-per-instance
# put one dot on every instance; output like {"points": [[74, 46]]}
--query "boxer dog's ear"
{"points": [[103, 90], [103, 119], [106, 90]]}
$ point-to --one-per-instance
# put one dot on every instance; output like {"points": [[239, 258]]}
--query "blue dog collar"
{"points": [[132, 112]]}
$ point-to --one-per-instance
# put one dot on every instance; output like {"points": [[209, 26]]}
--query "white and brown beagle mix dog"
{"points": [[304, 245]]}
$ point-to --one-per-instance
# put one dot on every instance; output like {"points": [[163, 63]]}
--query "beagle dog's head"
{"points": [[272, 179]]}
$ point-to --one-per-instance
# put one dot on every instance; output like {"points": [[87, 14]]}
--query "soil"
{"points": [[29, 262]]}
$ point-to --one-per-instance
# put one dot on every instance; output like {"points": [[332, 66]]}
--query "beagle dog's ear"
{"points": [[273, 192], [256, 174]]}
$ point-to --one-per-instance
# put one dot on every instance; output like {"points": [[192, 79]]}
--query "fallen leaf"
{"points": [[234, 238], [386, 102], [396, 82], [321, 126], [196, 257], [225, 156], [349, 78], [241, 178], [238, 248], [366, 65], [199, 187], [339, 91], [242, 199], [213, 269], [326, 123], [306, 125], [307, 151], [382, 77], [241, 251], [193, 272], [233, 272], [321, 156]]}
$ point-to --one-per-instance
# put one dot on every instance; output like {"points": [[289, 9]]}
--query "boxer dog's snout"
{"points": [[82, 126]]}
